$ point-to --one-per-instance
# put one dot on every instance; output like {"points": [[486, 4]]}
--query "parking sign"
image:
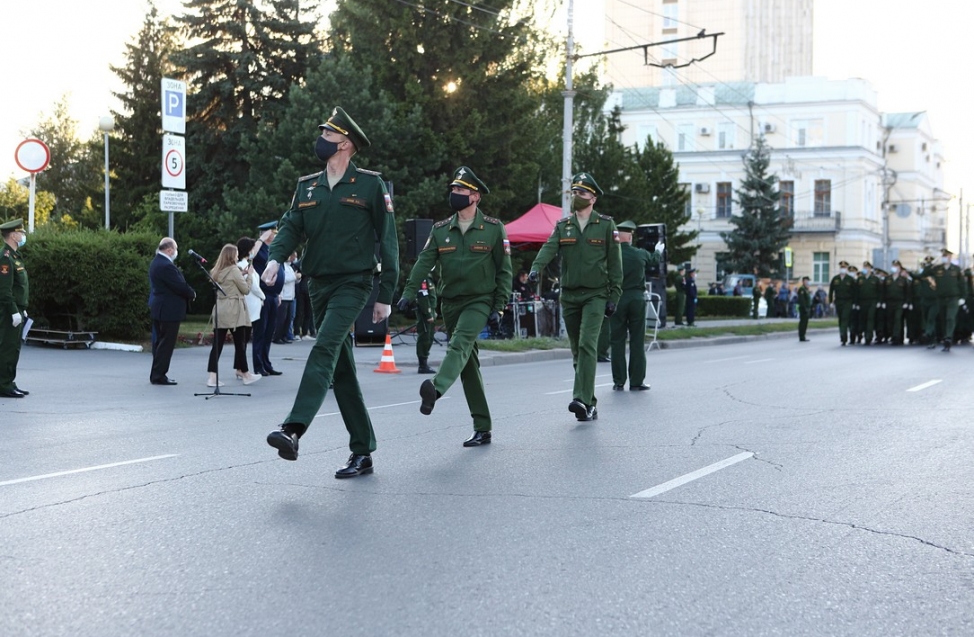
{"points": [[173, 106]]}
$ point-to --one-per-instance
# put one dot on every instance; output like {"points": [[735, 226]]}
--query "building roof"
{"points": [[904, 120], [738, 93]]}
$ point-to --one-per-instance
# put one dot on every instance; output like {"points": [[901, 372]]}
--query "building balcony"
{"points": [[811, 222]]}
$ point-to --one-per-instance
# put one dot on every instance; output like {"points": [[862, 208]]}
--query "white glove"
{"points": [[660, 247], [17, 319], [381, 312], [960, 302], [270, 272]]}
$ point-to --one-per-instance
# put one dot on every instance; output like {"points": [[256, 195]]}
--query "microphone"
{"points": [[196, 256]]}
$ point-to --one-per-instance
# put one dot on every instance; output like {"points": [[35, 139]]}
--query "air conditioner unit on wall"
{"points": [[892, 148], [702, 188], [769, 128], [704, 131]]}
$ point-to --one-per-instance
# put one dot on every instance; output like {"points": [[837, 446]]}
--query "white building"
{"points": [[831, 149]]}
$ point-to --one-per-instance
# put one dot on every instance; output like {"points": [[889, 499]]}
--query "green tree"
{"points": [[761, 232], [76, 174], [15, 203], [666, 200], [246, 56], [137, 141]]}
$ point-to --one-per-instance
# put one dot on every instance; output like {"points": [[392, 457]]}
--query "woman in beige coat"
{"points": [[231, 314]]}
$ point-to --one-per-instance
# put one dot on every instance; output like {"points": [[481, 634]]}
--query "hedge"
{"points": [[90, 280], [714, 305]]}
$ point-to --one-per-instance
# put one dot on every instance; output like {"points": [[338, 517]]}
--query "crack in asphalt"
{"points": [[757, 456]]}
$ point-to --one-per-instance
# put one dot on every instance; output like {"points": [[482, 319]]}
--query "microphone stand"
{"points": [[216, 321]]}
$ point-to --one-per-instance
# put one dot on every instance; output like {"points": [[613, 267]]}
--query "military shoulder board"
{"points": [[369, 172], [492, 220], [445, 222], [311, 176], [602, 216], [563, 220]]}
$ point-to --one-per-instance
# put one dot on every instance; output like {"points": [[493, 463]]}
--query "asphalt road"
{"points": [[783, 489]]}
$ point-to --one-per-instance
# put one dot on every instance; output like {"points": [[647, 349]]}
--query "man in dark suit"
{"points": [[264, 332], [168, 296]]}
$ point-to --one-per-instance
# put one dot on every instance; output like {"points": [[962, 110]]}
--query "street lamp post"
{"points": [[106, 125]]}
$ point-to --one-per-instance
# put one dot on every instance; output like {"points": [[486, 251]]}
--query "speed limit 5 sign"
{"points": [[174, 161]]}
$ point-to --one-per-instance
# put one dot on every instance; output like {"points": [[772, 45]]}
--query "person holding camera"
{"points": [[474, 259]]}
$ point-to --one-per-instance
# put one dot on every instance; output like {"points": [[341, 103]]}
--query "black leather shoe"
{"points": [[582, 412], [356, 466], [643, 387], [428, 394], [603, 359], [285, 442], [11, 393], [946, 345], [478, 438], [165, 381], [22, 391], [592, 413], [426, 369], [271, 372], [618, 387]]}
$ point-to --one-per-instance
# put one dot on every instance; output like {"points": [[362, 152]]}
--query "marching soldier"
{"points": [[869, 300], [425, 323], [927, 298], [473, 257], [855, 317], [897, 301], [13, 305], [804, 308], [882, 331], [755, 299], [630, 315], [842, 292], [591, 283], [950, 294]]}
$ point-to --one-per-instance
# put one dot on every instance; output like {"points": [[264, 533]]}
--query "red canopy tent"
{"points": [[535, 225]]}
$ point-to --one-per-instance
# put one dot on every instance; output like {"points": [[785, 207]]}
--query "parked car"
{"points": [[747, 282]]}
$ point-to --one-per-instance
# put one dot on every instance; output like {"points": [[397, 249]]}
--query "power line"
{"points": [[657, 14], [520, 39]]}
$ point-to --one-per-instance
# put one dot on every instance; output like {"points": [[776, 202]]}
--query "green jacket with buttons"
{"points": [[472, 263], [948, 280], [341, 226], [590, 259], [636, 263], [13, 282]]}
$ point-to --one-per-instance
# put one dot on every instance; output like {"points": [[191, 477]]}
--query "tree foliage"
{"points": [[761, 232], [15, 203]]}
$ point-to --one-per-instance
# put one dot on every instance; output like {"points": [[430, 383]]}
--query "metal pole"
{"points": [[107, 213], [566, 157], [31, 200]]}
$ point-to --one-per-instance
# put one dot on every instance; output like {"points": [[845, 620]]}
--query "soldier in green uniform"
{"points": [[769, 297], [425, 323], [473, 260], [630, 315], [605, 341], [897, 302], [927, 300], [755, 299], [591, 283], [855, 316], [882, 332], [341, 212], [869, 300], [681, 295], [804, 309], [950, 294], [13, 305], [842, 292]]}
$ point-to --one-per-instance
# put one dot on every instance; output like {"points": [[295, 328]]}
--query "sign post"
{"points": [[33, 156], [173, 150]]}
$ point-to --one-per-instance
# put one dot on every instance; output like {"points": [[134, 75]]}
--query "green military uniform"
{"points": [[474, 267], [425, 323], [681, 297], [629, 318], [869, 300], [605, 340], [755, 300], [341, 224], [804, 309], [769, 298], [950, 294], [855, 316], [591, 278], [897, 302], [842, 292], [13, 302], [927, 300]]}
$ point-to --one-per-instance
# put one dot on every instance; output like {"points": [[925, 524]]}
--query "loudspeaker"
{"points": [[367, 332], [417, 232], [647, 236]]}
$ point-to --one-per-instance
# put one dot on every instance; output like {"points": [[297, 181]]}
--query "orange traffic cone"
{"points": [[388, 364]]}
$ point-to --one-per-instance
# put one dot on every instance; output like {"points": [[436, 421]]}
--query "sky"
{"points": [[905, 49]]}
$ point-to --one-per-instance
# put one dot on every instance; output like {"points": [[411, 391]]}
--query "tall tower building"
{"points": [[764, 41]]}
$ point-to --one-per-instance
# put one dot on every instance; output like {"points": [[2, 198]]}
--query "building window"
{"points": [[823, 197], [820, 267], [684, 137], [724, 205], [726, 135], [786, 204], [688, 206], [671, 13], [808, 132], [670, 53]]}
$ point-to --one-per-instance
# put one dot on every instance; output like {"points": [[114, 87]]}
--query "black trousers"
{"points": [[239, 335], [162, 348]]}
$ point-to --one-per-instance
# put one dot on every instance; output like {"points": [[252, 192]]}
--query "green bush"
{"points": [[90, 280], [714, 305]]}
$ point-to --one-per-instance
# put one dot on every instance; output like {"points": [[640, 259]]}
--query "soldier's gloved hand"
{"points": [[533, 276], [403, 304], [610, 309], [660, 246], [911, 306], [961, 303], [269, 277], [906, 306], [494, 321], [16, 319]]}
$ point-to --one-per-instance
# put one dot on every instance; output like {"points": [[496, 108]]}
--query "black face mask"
{"points": [[458, 201], [324, 149]]}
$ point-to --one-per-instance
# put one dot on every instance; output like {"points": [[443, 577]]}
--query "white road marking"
{"points": [[929, 383], [565, 391], [721, 360], [101, 466], [690, 477], [411, 402], [761, 360]]}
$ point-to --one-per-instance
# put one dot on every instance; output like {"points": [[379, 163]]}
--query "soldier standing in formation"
{"points": [[869, 300], [949, 286], [425, 323], [681, 295], [804, 309], [13, 305], [755, 299], [897, 301], [591, 283], [341, 212], [473, 257], [842, 292], [630, 315]]}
